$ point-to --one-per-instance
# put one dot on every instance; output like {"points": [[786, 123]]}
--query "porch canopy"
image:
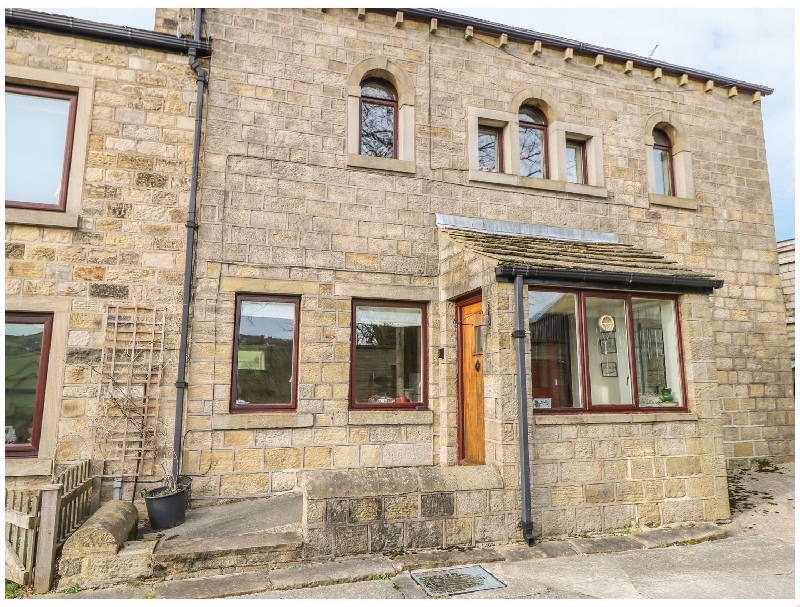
{"points": [[575, 258]]}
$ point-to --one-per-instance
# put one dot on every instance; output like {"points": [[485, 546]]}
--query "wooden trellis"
{"points": [[127, 425]]}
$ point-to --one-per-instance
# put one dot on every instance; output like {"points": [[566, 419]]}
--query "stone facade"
{"points": [[786, 263], [130, 180], [286, 208]]}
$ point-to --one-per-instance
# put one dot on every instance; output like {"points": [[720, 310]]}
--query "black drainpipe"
{"points": [[191, 227], [522, 400]]}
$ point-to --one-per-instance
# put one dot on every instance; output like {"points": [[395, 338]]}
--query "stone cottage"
{"points": [[456, 281]]}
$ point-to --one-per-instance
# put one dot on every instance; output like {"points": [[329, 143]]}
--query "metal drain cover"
{"points": [[458, 580]]}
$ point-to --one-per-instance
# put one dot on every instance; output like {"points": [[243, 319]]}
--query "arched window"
{"points": [[532, 143], [662, 163], [378, 130]]}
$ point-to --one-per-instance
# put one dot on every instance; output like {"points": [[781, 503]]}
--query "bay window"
{"points": [[604, 351], [388, 368]]}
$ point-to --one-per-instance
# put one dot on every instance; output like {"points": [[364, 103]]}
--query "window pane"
{"points": [[531, 152], [554, 350], [609, 353], [377, 90], [377, 129], [529, 114], [23, 361], [488, 159], [660, 138], [36, 131], [657, 372], [575, 162], [265, 353], [388, 359], [661, 162]]}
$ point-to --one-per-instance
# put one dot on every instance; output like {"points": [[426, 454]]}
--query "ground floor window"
{"points": [[265, 353], [27, 354], [601, 351], [389, 364]]}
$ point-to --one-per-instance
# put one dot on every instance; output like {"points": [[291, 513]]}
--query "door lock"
{"points": [[477, 365]]}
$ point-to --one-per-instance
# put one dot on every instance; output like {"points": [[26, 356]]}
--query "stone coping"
{"points": [[390, 418], [355, 483], [106, 530], [613, 418]]}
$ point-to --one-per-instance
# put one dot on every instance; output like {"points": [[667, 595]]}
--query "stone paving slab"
{"points": [[612, 543], [545, 550], [335, 572], [445, 558], [234, 544]]}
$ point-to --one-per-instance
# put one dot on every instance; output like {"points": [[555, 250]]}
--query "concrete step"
{"points": [[177, 559]]}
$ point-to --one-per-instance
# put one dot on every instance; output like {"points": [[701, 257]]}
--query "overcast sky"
{"points": [[754, 45]]}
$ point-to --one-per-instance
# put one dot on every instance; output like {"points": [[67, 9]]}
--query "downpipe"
{"points": [[191, 228], [525, 523]]}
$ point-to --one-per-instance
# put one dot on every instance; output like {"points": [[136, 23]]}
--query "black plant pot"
{"points": [[167, 511]]}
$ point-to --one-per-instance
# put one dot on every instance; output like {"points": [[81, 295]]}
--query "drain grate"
{"points": [[459, 580]]}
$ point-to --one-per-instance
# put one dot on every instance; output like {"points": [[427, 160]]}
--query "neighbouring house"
{"points": [[99, 131], [786, 265], [429, 248]]}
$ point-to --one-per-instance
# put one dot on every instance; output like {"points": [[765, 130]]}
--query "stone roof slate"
{"points": [[530, 251]]}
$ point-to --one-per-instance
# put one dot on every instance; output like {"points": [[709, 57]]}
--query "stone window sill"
{"points": [[381, 164], [249, 421], [531, 183], [28, 467], [614, 418], [48, 219], [673, 201], [390, 418]]}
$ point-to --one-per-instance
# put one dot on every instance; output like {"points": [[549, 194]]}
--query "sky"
{"points": [[754, 45]]}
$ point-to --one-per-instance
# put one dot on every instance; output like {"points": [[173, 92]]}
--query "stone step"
{"points": [[192, 558]]}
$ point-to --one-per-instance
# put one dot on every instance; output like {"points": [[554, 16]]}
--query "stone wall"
{"points": [[786, 262], [400, 509], [127, 244]]}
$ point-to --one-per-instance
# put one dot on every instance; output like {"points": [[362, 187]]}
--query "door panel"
{"points": [[470, 323]]}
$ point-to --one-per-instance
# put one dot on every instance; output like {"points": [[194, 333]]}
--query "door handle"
{"points": [[477, 365]]}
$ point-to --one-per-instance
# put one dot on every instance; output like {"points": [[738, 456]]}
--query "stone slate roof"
{"points": [[537, 252]]}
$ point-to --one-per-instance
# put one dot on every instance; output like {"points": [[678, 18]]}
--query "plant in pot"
{"points": [[167, 504]]}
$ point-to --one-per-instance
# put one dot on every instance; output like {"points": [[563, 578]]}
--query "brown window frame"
{"points": [[581, 145], [378, 101], [582, 331], [261, 408], [72, 97], [32, 449], [670, 164], [524, 124], [499, 132], [387, 303]]}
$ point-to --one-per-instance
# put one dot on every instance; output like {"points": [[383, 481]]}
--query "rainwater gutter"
{"points": [[522, 400], [191, 228], [103, 32], [609, 280]]}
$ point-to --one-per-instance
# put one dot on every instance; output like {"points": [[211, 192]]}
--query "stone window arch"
{"points": [[668, 154], [394, 90]]}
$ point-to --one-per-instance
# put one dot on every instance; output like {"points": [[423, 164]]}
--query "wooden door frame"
{"points": [[465, 300]]}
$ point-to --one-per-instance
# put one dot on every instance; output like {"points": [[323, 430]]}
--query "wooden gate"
{"points": [[38, 522]]}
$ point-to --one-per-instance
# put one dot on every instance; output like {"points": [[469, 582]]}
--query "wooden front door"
{"points": [[470, 377]]}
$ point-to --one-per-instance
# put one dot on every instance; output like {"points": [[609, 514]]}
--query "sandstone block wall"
{"points": [[280, 203], [786, 263]]}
